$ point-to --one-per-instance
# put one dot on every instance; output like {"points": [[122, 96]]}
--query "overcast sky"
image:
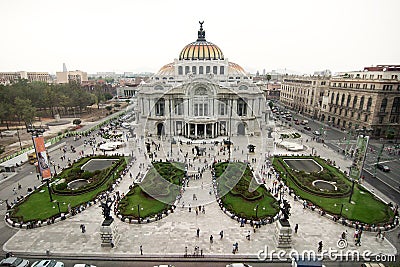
{"points": [[143, 35]]}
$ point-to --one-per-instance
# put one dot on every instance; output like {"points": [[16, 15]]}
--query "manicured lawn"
{"points": [[156, 193], [37, 207], [240, 196], [366, 208]]}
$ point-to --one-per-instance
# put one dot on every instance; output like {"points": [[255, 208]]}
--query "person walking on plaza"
{"points": [[198, 232], [296, 227], [221, 234], [211, 239], [141, 250], [320, 245]]}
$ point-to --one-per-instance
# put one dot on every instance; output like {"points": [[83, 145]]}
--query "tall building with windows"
{"points": [[72, 76], [201, 95], [11, 77], [367, 100], [304, 94]]}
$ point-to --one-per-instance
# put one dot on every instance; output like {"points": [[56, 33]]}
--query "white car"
{"points": [[48, 263], [83, 265], [14, 262], [238, 265]]}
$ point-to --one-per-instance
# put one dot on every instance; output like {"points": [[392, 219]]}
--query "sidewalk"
{"points": [[170, 236]]}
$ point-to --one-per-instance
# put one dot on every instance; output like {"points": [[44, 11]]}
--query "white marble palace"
{"points": [[201, 95]]}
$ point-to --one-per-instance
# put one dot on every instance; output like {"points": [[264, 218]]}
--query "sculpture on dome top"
{"points": [[201, 33]]}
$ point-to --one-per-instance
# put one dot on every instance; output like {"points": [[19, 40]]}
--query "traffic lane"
{"points": [[391, 177], [382, 187]]}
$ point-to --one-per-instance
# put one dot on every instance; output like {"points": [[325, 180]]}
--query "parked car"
{"points": [[317, 133], [83, 265], [14, 262], [304, 122], [238, 265], [48, 263], [383, 167], [308, 128]]}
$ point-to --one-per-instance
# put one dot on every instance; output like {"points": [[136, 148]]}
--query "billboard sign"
{"points": [[359, 157], [43, 161]]}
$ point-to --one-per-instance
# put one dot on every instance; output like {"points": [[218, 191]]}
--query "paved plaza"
{"points": [[176, 233]]}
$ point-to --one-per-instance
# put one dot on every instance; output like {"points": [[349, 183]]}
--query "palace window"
{"points": [[160, 107], [223, 106], [178, 106], [241, 107]]}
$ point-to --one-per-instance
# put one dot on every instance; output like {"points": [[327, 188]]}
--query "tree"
{"points": [[270, 104], [76, 122], [24, 110]]}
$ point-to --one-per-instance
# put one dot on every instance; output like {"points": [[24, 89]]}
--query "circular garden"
{"points": [[242, 196], [330, 190], [37, 205]]}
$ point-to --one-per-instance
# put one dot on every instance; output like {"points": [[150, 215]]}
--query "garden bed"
{"points": [[239, 197], [156, 194], [364, 206]]}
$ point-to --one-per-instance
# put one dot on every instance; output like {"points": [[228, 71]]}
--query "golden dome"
{"points": [[201, 49]]}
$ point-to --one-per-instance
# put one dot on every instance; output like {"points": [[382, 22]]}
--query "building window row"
{"points": [[201, 70]]}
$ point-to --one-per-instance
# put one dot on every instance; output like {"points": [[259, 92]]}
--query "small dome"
{"points": [[235, 69], [201, 49], [167, 70]]}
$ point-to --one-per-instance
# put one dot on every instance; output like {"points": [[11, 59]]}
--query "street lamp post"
{"points": [[341, 209], [58, 205], [138, 210], [256, 210], [230, 132], [352, 189], [48, 188]]}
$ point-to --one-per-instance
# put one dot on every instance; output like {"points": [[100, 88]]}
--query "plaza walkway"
{"points": [[173, 235]]}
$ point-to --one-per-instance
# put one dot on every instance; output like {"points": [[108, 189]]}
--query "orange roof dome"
{"points": [[201, 49]]}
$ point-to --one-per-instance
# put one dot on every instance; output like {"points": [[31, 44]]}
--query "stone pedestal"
{"points": [[283, 233], [109, 234]]}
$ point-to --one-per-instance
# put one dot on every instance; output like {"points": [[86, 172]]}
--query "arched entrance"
{"points": [[160, 129], [241, 130]]}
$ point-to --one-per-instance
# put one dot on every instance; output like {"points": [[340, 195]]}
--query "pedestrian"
{"points": [[211, 239], [141, 250], [221, 234], [320, 245], [383, 235], [190, 208], [198, 232], [248, 235], [296, 228], [83, 228]]}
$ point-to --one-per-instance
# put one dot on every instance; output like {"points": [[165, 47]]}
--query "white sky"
{"points": [[144, 35]]}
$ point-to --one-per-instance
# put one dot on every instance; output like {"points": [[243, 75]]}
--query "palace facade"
{"points": [[201, 95]]}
